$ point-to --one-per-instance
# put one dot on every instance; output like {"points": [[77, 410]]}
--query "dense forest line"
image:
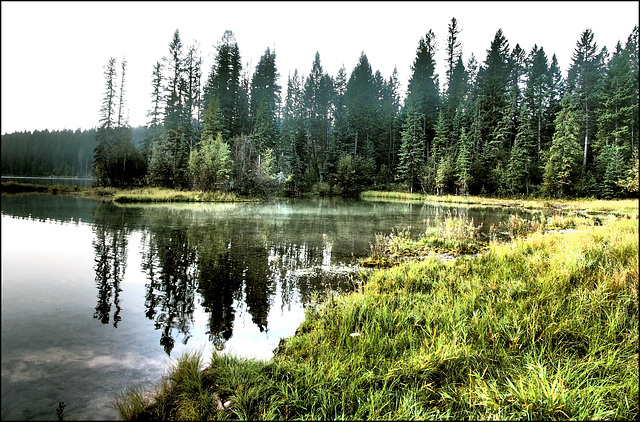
{"points": [[510, 125], [53, 153]]}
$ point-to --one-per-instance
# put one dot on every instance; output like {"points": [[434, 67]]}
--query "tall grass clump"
{"points": [[456, 235], [544, 327], [170, 195]]}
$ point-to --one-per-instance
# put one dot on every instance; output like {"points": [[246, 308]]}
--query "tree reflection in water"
{"points": [[169, 261], [110, 247], [232, 266]]}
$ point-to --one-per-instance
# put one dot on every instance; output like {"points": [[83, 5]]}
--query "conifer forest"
{"points": [[508, 124]]}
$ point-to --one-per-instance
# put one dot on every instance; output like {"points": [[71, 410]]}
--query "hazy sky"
{"points": [[53, 53]]}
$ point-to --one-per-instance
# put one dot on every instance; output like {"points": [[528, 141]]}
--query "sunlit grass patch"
{"points": [[170, 195]]}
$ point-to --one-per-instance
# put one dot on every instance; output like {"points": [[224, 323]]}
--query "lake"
{"points": [[99, 297]]}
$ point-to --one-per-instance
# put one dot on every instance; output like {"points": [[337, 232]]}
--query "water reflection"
{"points": [[232, 265], [169, 262], [233, 259]]}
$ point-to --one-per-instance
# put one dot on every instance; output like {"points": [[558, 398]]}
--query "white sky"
{"points": [[53, 53]]}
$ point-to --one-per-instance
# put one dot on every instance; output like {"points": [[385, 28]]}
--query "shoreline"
{"points": [[545, 326]]}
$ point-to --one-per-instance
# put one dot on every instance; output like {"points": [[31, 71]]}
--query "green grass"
{"points": [[618, 207], [128, 195], [171, 195], [542, 327]]}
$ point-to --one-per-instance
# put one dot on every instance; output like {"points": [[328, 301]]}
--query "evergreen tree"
{"points": [[211, 120], [292, 150], [105, 134], [614, 171], [264, 86], [454, 47], [440, 140], [341, 132], [423, 90], [411, 150], [193, 102], [387, 146], [518, 171], [632, 50], [537, 90], [583, 82], [155, 114], [556, 91], [463, 164], [564, 154], [493, 108], [317, 96], [225, 83], [122, 119], [361, 106], [618, 103], [457, 93]]}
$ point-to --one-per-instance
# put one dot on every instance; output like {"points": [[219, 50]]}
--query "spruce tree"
{"points": [[411, 150], [463, 164], [361, 107], [423, 90], [583, 81], [564, 154]]}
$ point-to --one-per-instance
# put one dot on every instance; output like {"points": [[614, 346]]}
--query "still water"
{"points": [[98, 297]]}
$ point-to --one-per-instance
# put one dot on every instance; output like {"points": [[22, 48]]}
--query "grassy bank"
{"points": [[619, 207], [128, 195], [542, 327], [171, 195]]}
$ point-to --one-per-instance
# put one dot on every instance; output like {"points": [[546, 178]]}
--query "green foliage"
{"points": [[564, 153], [630, 183], [253, 171], [210, 165], [412, 148], [354, 174]]}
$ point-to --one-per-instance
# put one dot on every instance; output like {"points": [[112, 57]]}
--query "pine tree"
{"points": [[292, 150], [632, 50], [493, 108], [439, 149], [211, 120], [264, 86], [537, 89]]}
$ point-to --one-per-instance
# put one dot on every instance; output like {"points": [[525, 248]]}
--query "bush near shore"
{"points": [[542, 327]]}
